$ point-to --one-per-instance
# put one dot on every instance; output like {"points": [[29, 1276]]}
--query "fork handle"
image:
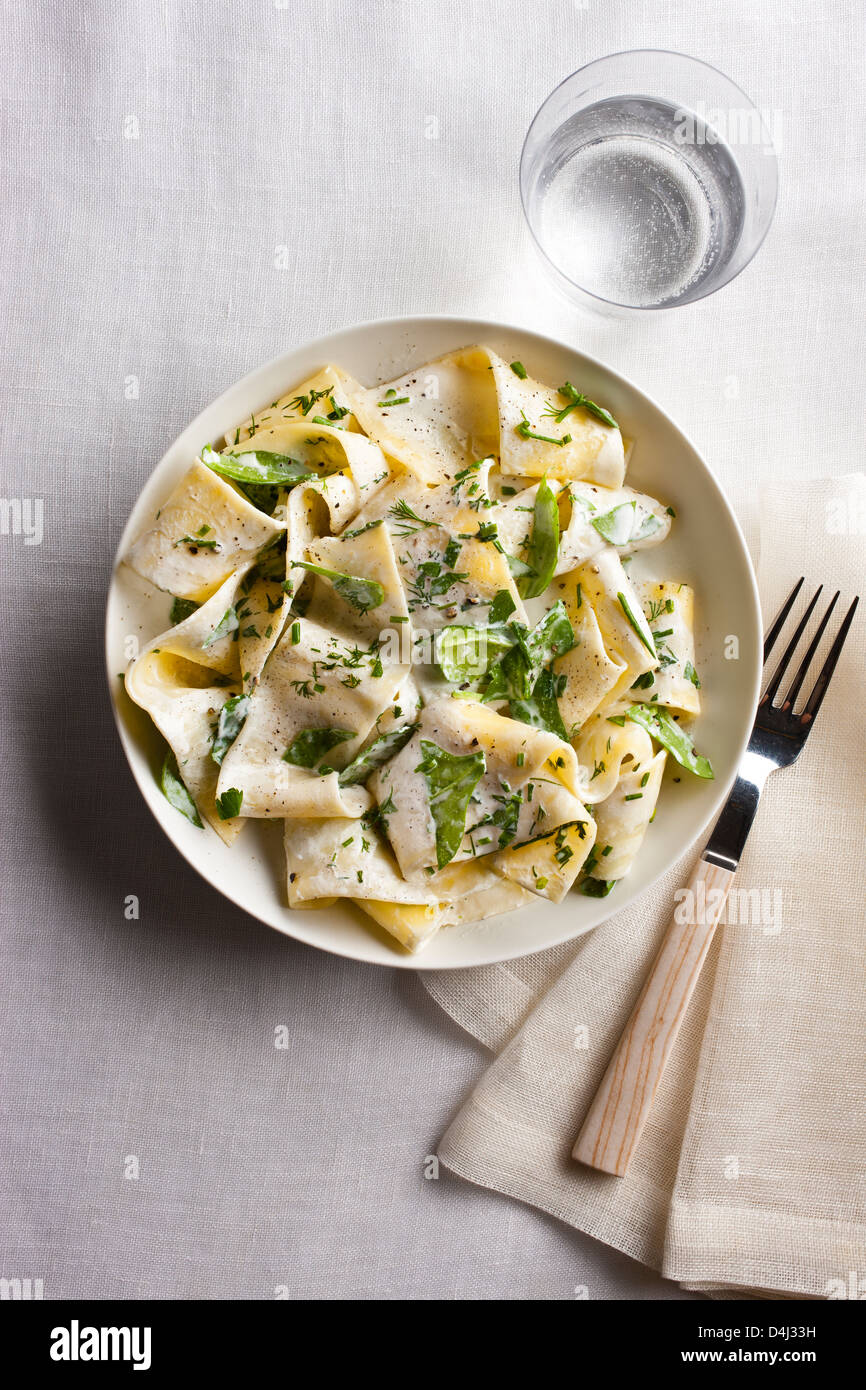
{"points": [[622, 1103]]}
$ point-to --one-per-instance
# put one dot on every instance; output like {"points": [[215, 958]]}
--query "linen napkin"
{"points": [[751, 1172]]}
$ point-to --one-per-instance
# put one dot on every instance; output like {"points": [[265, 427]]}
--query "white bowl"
{"points": [[705, 549]]}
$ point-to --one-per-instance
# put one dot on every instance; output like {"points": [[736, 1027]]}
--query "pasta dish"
{"points": [[401, 620]]}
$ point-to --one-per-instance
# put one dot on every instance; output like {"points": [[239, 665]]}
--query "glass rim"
{"points": [[770, 150]]}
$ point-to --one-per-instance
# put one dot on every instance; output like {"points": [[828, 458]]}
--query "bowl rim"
{"points": [[477, 328]]}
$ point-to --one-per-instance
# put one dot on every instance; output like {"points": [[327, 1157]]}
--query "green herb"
{"points": [[310, 745], [501, 608], [380, 815], [525, 430], [488, 531], [295, 634], [227, 624], [362, 594], [197, 543], [231, 721], [376, 754], [543, 547], [564, 852], [519, 370], [181, 609], [634, 796], [305, 403], [658, 722], [405, 516], [691, 675], [433, 579], [393, 400], [175, 792], [670, 511], [229, 804], [597, 887], [451, 778], [462, 474], [506, 816], [257, 466], [640, 627], [576, 398], [616, 719], [656, 608], [361, 530]]}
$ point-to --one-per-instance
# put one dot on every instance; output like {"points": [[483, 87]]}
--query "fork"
{"points": [[622, 1103]]}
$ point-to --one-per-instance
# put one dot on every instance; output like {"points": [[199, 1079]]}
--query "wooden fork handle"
{"points": [[616, 1118]]}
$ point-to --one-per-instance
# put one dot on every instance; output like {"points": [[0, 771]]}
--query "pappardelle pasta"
{"points": [[402, 622]]}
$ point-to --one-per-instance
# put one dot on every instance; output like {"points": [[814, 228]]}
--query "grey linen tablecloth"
{"points": [[157, 157]]}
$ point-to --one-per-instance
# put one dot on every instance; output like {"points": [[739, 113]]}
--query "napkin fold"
{"points": [[750, 1177]]}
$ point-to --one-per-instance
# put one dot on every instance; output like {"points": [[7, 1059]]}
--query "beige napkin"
{"points": [[751, 1173]]}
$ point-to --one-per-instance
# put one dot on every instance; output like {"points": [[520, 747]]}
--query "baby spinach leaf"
{"points": [[310, 745], [518, 569], [647, 527], [227, 624], [596, 887], [624, 524], [451, 779], [552, 637], [501, 608], [515, 676], [465, 653], [257, 466], [543, 548], [657, 721], [175, 792], [616, 526], [376, 754], [541, 708], [231, 721], [359, 593], [181, 609]]}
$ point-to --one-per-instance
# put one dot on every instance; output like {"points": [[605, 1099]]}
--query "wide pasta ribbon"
{"points": [[470, 404]]}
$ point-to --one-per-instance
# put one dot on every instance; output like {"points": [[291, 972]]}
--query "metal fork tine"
{"points": [[781, 618], [813, 704], [791, 698], [770, 693]]}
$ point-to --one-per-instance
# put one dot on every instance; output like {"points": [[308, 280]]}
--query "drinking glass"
{"points": [[648, 180]]}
